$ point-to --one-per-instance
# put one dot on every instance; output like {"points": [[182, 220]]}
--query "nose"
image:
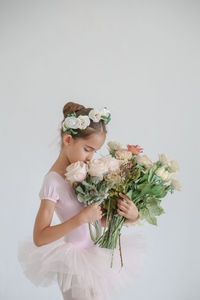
{"points": [[89, 157], [87, 160]]}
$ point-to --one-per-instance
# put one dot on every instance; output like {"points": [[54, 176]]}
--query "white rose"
{"points": [[143, 160], [72, 122], [104, 112], [174, 166], [97, 167], [76, 172], [176, 184], [163, 174], [95, 115], [111, 163], [164, 159], [113, 145], [85, 121], [123, 154]]}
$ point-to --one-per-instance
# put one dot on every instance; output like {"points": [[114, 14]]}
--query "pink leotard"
{"points": [[58, 190]]}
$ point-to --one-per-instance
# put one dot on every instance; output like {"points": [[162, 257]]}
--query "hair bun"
{"points": [[71, 107]]}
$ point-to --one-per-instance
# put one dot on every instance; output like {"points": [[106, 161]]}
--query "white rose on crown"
{"points": [[72, 122], [104, 112], [85, 121], [95, 115]]}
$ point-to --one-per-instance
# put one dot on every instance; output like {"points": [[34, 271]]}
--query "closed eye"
{"points": [[89, 151]]}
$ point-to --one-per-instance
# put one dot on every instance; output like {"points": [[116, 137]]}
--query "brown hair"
{"points": [[94, 127]]}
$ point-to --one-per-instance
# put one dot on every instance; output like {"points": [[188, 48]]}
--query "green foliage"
{"points": [[93, 189], [112, 153], [107, 119], [144, 188], [140, 184]]}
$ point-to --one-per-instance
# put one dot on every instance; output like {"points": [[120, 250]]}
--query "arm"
{"points": [[44, 233]]}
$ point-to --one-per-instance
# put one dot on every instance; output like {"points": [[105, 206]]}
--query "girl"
{"points": [[65, 253]]}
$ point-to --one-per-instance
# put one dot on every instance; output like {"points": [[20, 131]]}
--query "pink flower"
{"points": [[111, 163], [143, 160], [135, 149], [76, 172], [97, 168]]}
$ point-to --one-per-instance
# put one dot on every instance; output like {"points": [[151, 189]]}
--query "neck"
{"points": [[61, 163]]}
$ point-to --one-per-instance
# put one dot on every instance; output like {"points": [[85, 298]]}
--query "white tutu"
{"points": [[84, 269]]}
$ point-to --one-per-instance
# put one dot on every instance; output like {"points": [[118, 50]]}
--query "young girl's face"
{"points": [[83, 149]]}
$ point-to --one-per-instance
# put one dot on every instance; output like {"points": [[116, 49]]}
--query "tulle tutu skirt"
{"points": [[84, 270]]}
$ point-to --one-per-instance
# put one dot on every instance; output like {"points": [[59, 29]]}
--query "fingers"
{"points": [[124, 207], [125, 197], [122, 204], [98, 207], [122, 213]]}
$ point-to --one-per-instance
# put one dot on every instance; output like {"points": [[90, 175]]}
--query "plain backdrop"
{"points": [[138, 58]]}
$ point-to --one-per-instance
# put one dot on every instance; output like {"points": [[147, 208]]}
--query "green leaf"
{"points": [[79, 189], [145, 214], [154, 207], [157, 189], [96, 180], [145, 188], [130, 194]]}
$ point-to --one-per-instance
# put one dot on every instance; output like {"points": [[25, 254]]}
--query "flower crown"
{"points": [[72, 122]]}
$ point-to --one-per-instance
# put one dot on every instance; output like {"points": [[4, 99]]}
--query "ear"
{"points": [[67, 139]]}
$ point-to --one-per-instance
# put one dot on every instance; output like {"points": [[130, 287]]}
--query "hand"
{"points": [[91, 213], [127, 209]]}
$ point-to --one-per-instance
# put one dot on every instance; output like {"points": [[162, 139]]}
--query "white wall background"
{"points": [[141, 60]]}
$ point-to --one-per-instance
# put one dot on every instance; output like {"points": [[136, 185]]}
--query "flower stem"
{"points": [[120, 250]]}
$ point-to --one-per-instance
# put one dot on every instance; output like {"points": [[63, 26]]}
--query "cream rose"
{"points": [[123, 154], [84, 121], [111, 163], [104, 112], [76, 172], [97, 167], [174, 166], [163, 174], [71, 122], [143, 160], [95, 115], [164, 159], [113, 145], [176, 184]]}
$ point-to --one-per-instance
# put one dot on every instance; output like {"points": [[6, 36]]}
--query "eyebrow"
{"points": [[90, 147]]}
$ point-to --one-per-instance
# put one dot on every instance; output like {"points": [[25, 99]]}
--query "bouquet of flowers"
{"points": [[144, 182], [125, 171], [88, 180]]}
